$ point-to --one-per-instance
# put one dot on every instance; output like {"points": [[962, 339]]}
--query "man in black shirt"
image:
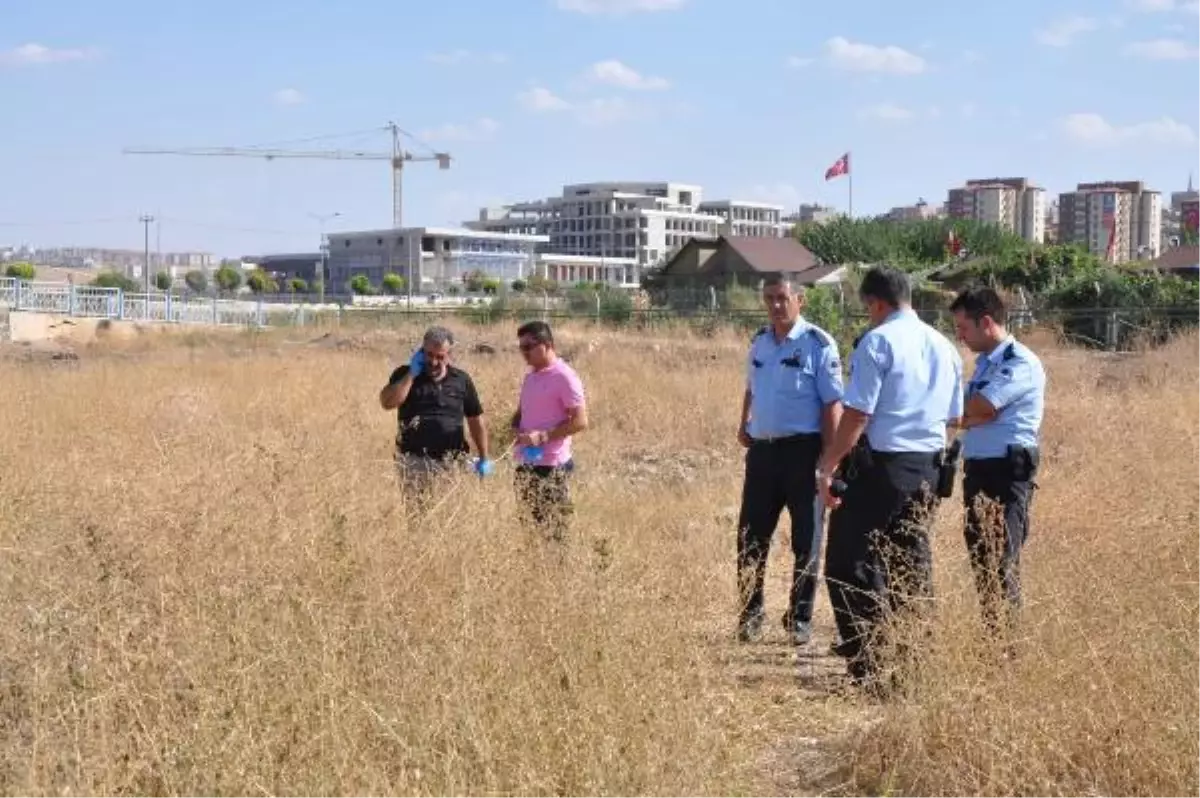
{"points": [[432, 398]]}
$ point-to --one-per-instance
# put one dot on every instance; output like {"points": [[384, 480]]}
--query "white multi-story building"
{"points": [[1123, 213], [643, 221], [431, 258], [1012, 203]]}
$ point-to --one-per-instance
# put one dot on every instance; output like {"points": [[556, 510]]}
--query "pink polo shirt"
{"points": [[546, 395]]}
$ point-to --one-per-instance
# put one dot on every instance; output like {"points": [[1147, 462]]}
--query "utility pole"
{"points": [[146, 219]]}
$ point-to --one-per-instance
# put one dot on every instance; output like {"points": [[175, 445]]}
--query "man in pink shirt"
{"points": [[550, 411]]}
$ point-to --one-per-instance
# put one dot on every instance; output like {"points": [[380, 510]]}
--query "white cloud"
{"points": [[540, 99], [1095, 130], [288, 97], [886, 112], [1161, 50], [34, 54], [454, 57], [858, 57], [480, 130], [1064, 31], [619, 7], [614, 73]]}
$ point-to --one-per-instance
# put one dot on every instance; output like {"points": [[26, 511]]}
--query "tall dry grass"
{"points": [[211, 586]]}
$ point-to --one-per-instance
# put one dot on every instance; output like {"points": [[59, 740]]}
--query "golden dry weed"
{"points": [[211, 586]]}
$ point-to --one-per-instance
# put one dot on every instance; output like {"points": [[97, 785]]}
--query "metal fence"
{"points": [[1110, 328], [113, 303]]}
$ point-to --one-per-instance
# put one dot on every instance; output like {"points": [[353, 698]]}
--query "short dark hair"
{"points": [[887, 284], [979, 301], [774, 279], [538, 331]]}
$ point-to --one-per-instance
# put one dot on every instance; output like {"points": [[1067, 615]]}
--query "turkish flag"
{"points": [[841, 167]]}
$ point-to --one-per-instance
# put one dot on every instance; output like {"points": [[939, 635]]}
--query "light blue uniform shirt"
{"points": [[791, 381], [1013, 381], [907, 377]]}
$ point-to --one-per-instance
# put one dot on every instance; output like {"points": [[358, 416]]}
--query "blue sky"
{"points": [[749, 98]]}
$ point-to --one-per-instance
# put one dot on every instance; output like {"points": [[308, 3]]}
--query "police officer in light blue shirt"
{"points": [[903, 396], [792, 399], [1002, 419]]}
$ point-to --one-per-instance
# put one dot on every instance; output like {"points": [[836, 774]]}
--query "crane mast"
{"points": [[397, 158]]}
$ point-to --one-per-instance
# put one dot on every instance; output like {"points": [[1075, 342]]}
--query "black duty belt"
{"points": [[795, 437]]}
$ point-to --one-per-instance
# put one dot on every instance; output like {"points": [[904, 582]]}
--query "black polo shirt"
{"points": [[431, 417]]}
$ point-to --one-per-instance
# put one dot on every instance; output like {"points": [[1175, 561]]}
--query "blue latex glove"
{"points": [[484, 468], [416, 364]]}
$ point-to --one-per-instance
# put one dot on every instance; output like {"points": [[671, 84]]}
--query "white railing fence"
{"points": [[113, 303]]}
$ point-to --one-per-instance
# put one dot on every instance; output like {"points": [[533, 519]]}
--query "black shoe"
{"points": [[799, 632], [749, 629]]}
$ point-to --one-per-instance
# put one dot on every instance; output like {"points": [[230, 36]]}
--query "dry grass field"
{"points": [[210, 586]]}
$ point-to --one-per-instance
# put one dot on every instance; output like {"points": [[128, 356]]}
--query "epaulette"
{"points": [[761, 331], [822, 337], [856, 340], [1010, 352]]}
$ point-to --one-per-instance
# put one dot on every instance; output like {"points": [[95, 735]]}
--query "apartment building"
{"points": [[1189, 213], [819, 214], [1117, 220], [912, 213], [1175, 217], [1012, 203], [642, 221], [434, 258]]}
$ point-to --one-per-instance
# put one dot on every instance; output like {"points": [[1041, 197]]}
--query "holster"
{"points": [[858, 460], [1024, 463], [948, 468]]}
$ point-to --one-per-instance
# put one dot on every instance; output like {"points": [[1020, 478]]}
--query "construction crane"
{"points": [[397, 157]]}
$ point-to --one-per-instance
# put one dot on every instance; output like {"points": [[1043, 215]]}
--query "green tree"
{"points": [[261, 282], [117, 280], [909, 244], [490, 286], [228, 279], [361, 284], [475, 281], [519, 286], [538, 284], [393, 284], [21, 271], [297, 285], [196, 280], [163, 281]]}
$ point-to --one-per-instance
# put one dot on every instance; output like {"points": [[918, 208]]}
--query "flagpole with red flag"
{"points": [[842, 167]]}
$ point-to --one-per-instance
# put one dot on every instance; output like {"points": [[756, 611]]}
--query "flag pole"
{"points": [[850, 185]]}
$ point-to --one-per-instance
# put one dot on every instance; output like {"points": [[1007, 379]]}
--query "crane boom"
{"points": [[264, 153], [397, 157]]}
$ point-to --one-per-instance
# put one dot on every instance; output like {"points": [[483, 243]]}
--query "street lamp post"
{"points": [[322, 219]]}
